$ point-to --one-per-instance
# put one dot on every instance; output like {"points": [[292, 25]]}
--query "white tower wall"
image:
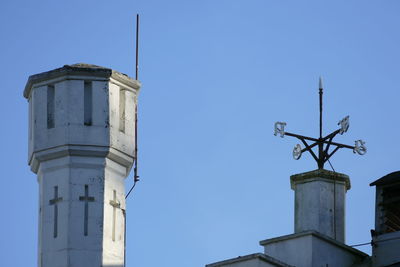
{"points": [[320, 202], [81, 145]]}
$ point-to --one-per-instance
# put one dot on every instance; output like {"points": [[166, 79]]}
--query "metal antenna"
{"points": [[136, 177], [320, 106], [320, 144], [135, 168], [323, 142], [137, 46]]}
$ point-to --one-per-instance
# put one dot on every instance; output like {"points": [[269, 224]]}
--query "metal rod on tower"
{"points": [[136, 177], [137, 46], [135, 170], [135, 166], [320, 106]]}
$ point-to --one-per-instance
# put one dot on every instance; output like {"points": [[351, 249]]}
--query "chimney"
{"points": [[320, 202]]}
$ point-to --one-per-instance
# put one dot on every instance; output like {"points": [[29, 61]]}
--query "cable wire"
{"points": [[130, 190], [331, 165], [375, 242], [362, 244], [334, 199]]}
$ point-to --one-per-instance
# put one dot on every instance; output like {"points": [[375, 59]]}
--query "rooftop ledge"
{"points": [[80, 69], [320, 174], [315, 234], [389, 179], [259, 256]]}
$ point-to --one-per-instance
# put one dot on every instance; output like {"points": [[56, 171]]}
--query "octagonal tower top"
{"points": [[83, 110]]}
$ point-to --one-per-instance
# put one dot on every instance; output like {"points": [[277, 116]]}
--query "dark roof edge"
{"points": [[391, 178], [80, 69]]}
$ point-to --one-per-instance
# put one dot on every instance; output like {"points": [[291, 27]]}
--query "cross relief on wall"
{"points": [[55, 202], [116, 205], [86, 199]]}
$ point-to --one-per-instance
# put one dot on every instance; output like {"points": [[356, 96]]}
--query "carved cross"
{"points": [[86, 198], [54, 202], [116, 205]]}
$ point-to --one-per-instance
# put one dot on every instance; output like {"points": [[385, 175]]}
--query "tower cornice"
{"points": [[320, 174], [67, 72], [81, 150]]}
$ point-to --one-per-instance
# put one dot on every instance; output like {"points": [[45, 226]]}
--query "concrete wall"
{"points": [[320, 203], [386, 249], [113, 248], [327, 254], [69, 128], [296, 252], [68, 120], [71, 247], [320, 206], [311, 249], [252, 260]]}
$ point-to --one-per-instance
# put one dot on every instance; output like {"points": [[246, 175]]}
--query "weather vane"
{"points": [[323, 143]]}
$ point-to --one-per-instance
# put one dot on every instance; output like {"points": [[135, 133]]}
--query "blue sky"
{"points": [[216, 75]]}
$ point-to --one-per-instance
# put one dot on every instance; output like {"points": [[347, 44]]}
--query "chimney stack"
{"points": [[320, 202]]}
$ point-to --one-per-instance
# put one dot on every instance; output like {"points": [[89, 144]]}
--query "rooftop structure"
{"points": [[319, 219]]}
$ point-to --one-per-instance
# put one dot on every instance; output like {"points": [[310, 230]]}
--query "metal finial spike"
{"points": [[320, 82]]}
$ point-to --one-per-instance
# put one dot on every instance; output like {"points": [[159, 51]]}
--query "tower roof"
{"points": [[390, 178], [80, 69]]}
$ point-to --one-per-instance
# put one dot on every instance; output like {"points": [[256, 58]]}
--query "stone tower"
{"points": [[320, 201], [81, 146]]}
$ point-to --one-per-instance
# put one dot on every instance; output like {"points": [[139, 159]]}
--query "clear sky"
{"points": [[216, 75]]}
